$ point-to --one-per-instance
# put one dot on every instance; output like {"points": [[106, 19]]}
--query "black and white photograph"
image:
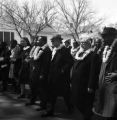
{"points": [[58, 59]]}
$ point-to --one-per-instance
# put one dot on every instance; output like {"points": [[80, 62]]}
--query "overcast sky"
{"points": [[106, 8], [103, 8]]}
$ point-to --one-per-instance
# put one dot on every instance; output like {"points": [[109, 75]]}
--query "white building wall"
{"points": [[6, 28], [48, 32]]}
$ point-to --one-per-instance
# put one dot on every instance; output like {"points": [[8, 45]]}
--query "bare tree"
{"points": [[30, 18], [9, 17], [77, 16]]}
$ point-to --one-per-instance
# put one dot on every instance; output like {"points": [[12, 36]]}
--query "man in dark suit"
{"points": [[59, 75], [41, 64], [84, 79], [105, 103]]}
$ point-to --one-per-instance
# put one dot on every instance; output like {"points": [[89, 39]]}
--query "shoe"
{"points": [[48, 114]]}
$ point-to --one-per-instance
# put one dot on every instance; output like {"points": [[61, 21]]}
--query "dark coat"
{"points": [[25, 67], [84, 77], [4, 71], [44, 64], [59, 74], [39, 73], [105, 103], [41, 68], [18, 60], [94, 71], [6, 55]]}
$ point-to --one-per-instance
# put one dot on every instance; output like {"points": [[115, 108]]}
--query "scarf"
{"points": [[106, 53], [81, 54]]}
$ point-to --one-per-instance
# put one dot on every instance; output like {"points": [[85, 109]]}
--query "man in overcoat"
{"points": [[59, 75], [39, 74], [84, 78], [105, 103]]}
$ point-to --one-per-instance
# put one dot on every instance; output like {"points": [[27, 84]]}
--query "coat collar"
{"points": [[55, 51], [60, 47], [27, 47]]}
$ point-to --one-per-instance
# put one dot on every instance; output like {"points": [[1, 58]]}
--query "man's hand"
{"points": [[3, 66], [110, 76], [27, 59], [41, 77]]}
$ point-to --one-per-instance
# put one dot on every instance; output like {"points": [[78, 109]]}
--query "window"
{"points": [[1, 36], [12, 35], [6, 36]]}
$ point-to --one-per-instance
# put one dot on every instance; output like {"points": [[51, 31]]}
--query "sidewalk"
{"points": [[13, 109]]}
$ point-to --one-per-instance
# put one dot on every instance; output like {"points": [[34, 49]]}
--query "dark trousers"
{"points": [[43, 95], [67, 98], [34, 91], [40, 91], [4, 78]]}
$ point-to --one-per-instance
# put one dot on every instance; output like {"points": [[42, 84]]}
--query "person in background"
{"points": [[41, 57], [17, 59], [96, 65], [67, 43], [11, 70], [4, 65], [25, 67], [75, 48], [34, 72]]}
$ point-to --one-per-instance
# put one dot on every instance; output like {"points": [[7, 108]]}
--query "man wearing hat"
{"points": [[59, 74], [105, 103]]}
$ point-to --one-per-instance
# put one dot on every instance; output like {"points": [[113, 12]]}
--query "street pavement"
{"points": [[12, 108]]}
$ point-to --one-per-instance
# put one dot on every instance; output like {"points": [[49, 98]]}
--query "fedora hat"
{"points": [[57, 37], [66, 40], [109, 31]]}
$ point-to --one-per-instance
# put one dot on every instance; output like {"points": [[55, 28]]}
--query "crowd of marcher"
{"points": [[83, 72]]}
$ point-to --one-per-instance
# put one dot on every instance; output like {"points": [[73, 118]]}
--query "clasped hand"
{"points": [[110, 76]]}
